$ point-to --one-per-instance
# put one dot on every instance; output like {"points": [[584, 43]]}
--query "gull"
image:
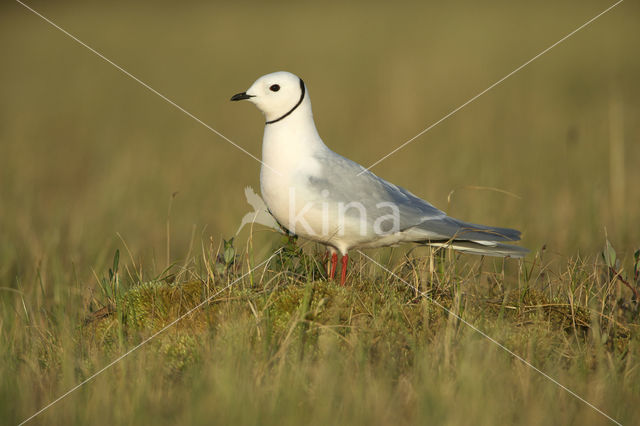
{"points": [[315, 193]]}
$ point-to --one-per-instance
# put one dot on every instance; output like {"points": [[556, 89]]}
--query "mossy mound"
{"points": [[145, 309], [378, 318], [153, 305]]}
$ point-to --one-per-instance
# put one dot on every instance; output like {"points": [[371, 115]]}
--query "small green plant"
{"points": [[227, 258], [110, 285], [296, 261], [614, 270]]}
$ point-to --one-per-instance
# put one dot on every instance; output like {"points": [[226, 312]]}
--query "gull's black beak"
{"points": [[241, 96]]}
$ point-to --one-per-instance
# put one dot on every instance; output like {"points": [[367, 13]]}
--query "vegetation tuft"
{"points": [[375, 351]]}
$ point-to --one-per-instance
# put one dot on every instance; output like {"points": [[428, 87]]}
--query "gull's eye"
{"points": [[274, 87]]}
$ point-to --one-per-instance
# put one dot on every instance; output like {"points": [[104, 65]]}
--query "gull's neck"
{"points": [[288, 143]]}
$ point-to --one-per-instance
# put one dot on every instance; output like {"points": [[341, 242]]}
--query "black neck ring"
{"points": [[302, 92]]}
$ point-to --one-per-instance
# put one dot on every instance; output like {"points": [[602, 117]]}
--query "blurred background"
{"points": [[86, 153]]}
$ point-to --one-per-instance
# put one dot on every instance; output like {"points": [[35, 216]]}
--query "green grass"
{"points": [[289, 347], [90, 163]]}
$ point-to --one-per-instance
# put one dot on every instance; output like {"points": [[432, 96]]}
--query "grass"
{"points": [[288, 346], [92, 164]]}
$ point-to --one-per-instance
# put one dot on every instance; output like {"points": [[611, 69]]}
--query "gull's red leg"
{"points": [[345, 261], [334, 264]]}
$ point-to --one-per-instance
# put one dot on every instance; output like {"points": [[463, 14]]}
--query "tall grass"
{"points": [[291, 347]]}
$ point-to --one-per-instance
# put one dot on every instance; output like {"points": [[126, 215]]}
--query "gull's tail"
{"points": [[483, 248], [473, 238]]}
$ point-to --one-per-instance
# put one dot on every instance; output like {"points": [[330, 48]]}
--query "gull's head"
{"points": [[277, 94]]}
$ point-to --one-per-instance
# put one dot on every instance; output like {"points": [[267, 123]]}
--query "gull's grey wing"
{"points": [[342, 179], [456, 229]]}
